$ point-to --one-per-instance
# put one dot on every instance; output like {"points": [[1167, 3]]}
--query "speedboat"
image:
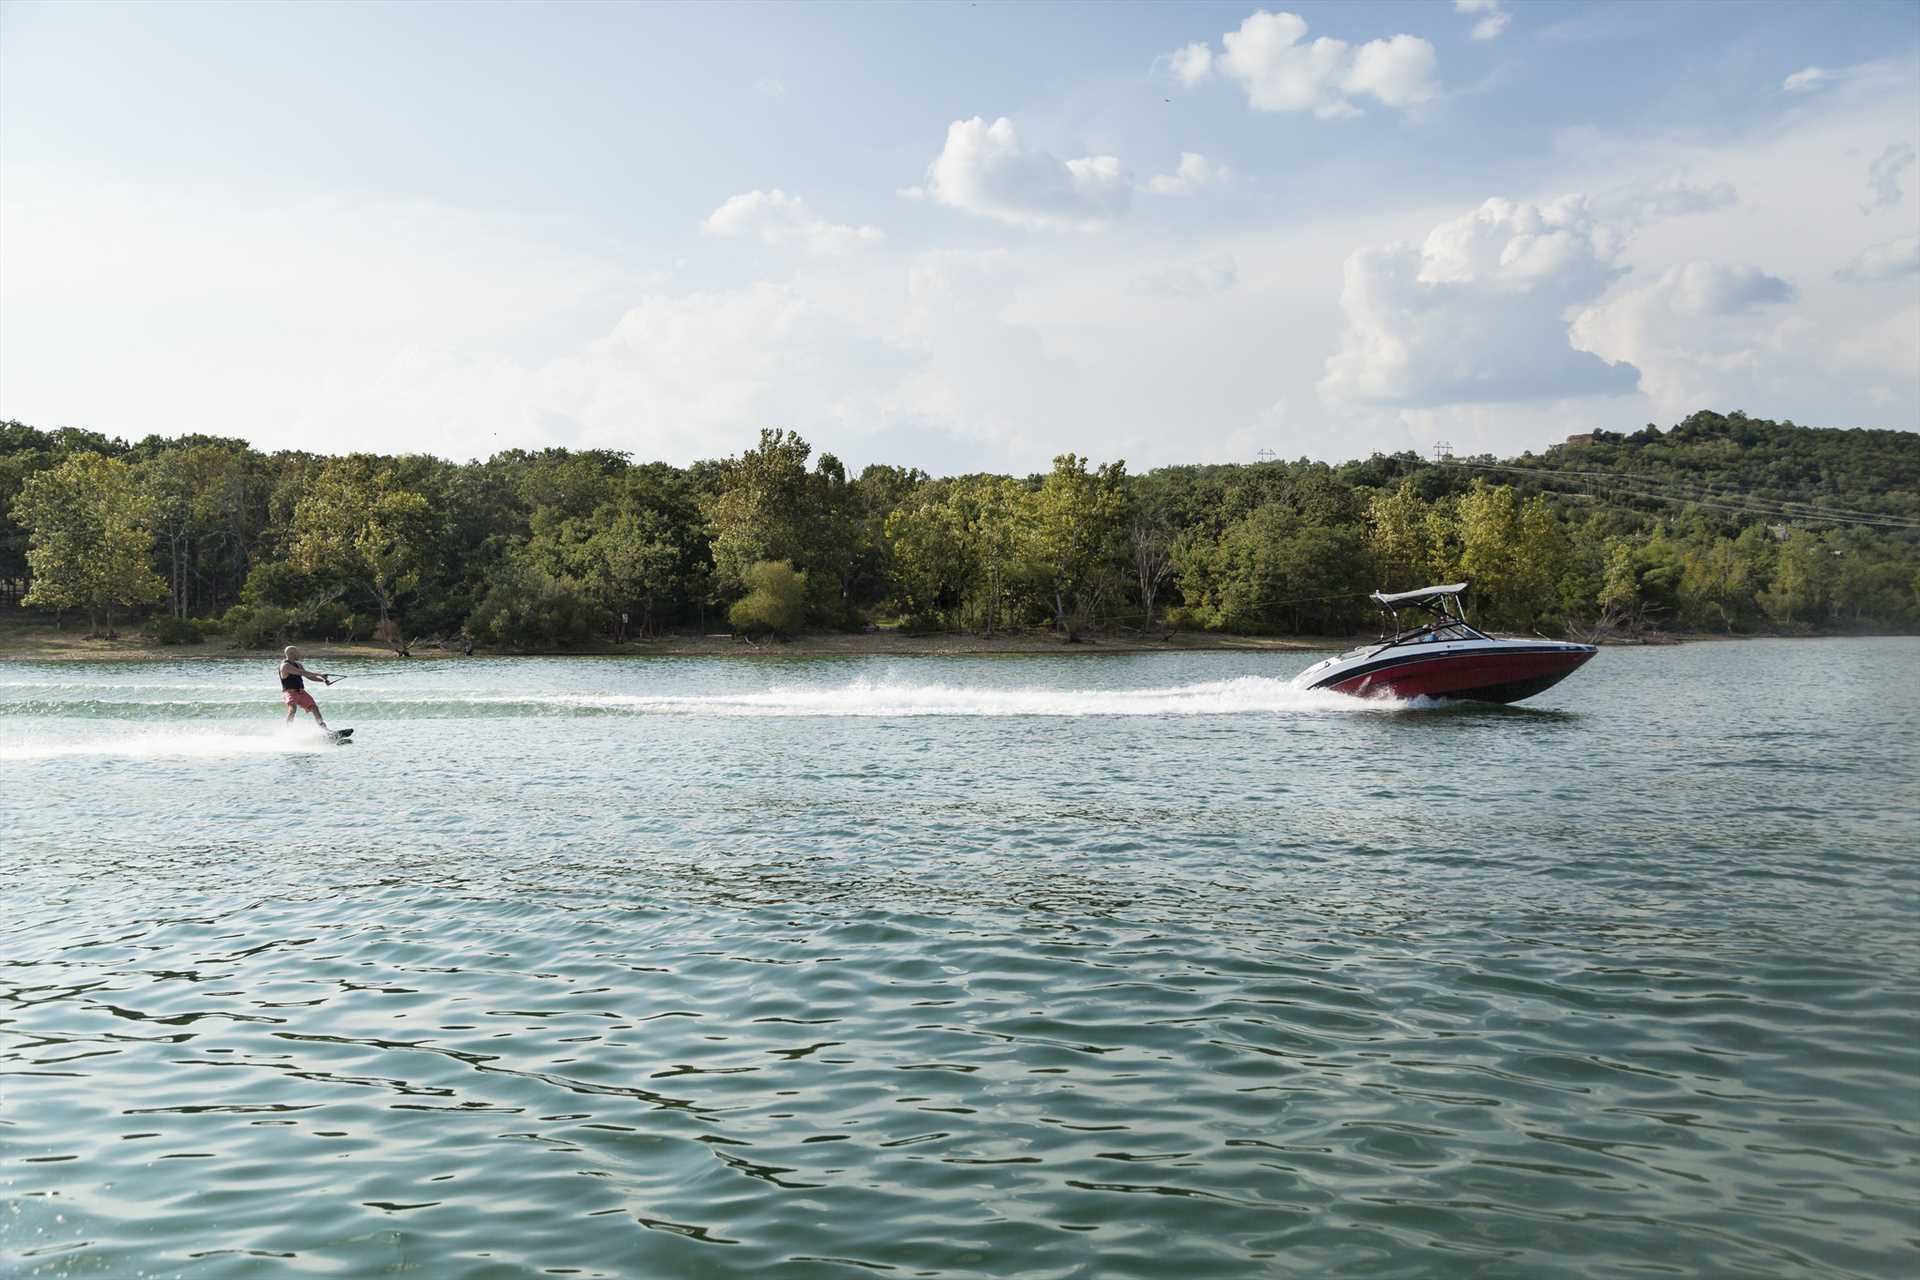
{"points": [[1444, 657]]}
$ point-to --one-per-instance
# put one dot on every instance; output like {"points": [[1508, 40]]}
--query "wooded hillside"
{"points": [[1722, 523]]}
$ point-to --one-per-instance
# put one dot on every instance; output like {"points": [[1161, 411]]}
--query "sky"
{"points": [[956, 236]]}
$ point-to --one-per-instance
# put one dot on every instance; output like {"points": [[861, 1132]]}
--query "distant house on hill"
{"points": [[1585, 437]]}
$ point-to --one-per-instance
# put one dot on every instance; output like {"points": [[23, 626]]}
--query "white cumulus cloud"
{"points": [[1883, 261], [1192, 63], [1714, 289], [1280, 70], [1194, 172], [1698, 332], [1478, 313], [1281, 74], [1492, 20], [1398, 71], [984, 169], [779, 219]]}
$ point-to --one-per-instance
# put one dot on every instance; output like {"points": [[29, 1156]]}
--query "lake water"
{"points": [[1102, 966]]}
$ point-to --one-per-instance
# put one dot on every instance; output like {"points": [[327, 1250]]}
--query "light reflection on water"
{"points": [[1115, 967]]}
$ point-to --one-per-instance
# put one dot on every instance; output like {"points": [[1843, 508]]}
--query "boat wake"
{"points": [[164, 745], [201, 731], [890, 699]]}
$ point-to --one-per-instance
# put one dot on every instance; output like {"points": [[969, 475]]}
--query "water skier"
{"points": [[293, 686]]}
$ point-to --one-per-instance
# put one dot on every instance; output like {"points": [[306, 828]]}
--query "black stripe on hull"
{"points": [[1404, 658]]}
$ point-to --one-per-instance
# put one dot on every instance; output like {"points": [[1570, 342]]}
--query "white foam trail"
{"points": [[108, 686], [50, 703], [168, 746], [889, 699]]}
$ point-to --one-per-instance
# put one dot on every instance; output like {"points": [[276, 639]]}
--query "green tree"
{"points": [[997, 507], [23, 451], [1546, 558], [355, 523], [88, 542], [529, 608], [185, 486], [1640, 578], [1445, 549], [763, 508], [571, 485], [1620, 581], [834, 540], [635, 561], [1272, 570], [1871, 579], [879, 491], [1399, 538], [1718, 583], [933, 555], [1803, 577], [776, 599], [1150, 538], [1076, 530], [1508, 551]]}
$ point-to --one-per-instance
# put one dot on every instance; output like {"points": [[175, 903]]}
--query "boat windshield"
{"points": [[1432, 633], [1437, 633]]}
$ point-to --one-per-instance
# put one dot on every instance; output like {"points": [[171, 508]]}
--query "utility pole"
{"points": [[1442, 451]]}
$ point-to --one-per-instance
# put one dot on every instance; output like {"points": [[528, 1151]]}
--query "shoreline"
{"points": [[46, 643], [19, 644]]}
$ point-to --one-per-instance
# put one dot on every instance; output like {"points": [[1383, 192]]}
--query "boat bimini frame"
{"points": [[1443, 602]]}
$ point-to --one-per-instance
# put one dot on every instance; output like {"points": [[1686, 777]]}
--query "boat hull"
{"points": [[1507, 673]]}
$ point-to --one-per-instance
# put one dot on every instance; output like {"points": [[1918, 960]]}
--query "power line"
{"points": [[1700, 487], [1711, 490], [1747, 504]]}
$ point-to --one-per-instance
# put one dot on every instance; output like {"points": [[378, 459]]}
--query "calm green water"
{"points": [[1052, 967]]}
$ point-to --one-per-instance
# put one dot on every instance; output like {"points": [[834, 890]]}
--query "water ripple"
{"points": [[1071, 993]]}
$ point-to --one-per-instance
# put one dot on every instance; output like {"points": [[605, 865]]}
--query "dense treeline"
{"points": [[1722, 523], [1747, 459]]}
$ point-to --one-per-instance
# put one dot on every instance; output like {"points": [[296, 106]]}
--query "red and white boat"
{"points": [[1444, 658]]}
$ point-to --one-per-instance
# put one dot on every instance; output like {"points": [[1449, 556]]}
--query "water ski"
{"points": [[340, 737]]}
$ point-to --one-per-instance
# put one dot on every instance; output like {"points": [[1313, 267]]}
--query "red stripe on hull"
{"points": [[1499, 677]]}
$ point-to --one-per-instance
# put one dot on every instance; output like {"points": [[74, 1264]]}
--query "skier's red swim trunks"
{"points": [[298, 698]]}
